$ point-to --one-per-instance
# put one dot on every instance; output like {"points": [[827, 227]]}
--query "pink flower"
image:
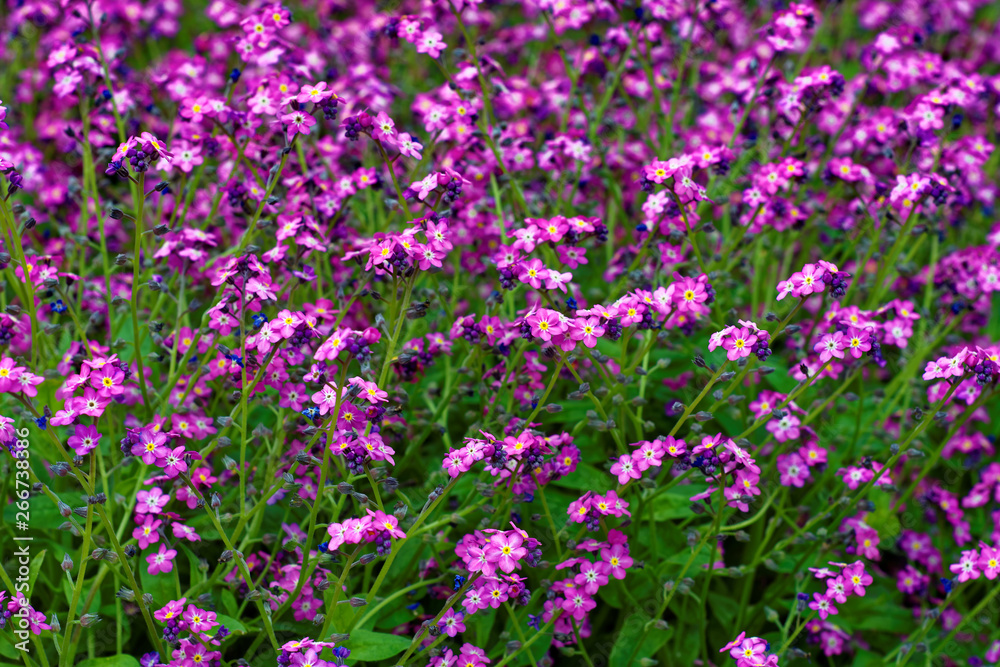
{"points": [[170, 611], [409, 146], [830, 346], [577, 603], [505, 550], [451, 623], [858, 342], [9, 372], [749, 651], [172, 462], [384, 128], [150, 446], [474, 601], [148, 533], [313, 93], [297, 122], [151, 502], [625, 469], [386, 523], [430, 42], [545, 324], [592, 576], [198, 620], [617, 559], [533, 273], [739, 343], [808, 281], [369, 390], [989, 561], [161, 561], [823, 605], [855, 578], [84, 439], [966, 568], [494, 593]]}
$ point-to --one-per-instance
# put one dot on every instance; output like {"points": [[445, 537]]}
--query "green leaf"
{"points": [[67, 588], [229, 602], [586, 478], [638, 626], [724, 608], [36, 565], [160, 586], [867, 659], [196, 574], [42, 512], [880, 615], [368, 645], [613, 594], [110, 661], [341, 619], [675, 503]]}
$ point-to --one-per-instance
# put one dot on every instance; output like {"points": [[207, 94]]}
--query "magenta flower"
{"points": [[151, 502], [494, 593], [162, 560], [170, 611], [369, 390], [9, 372], [625, 469], [430, 42], [148, 533], [749, 651], [84, 439], [199, 620], [855, 578], [967, 567], [150, 446], [505, 549], [474, 601], [451, 623], [989, 561], [592, 576], [172, 462], [822, 605], [297, 122], [384, 128], [387, 523], [108, 380], [618, 560], [739, 343], [577, 603], [830, 346], [533, 273], [545, 324]]}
